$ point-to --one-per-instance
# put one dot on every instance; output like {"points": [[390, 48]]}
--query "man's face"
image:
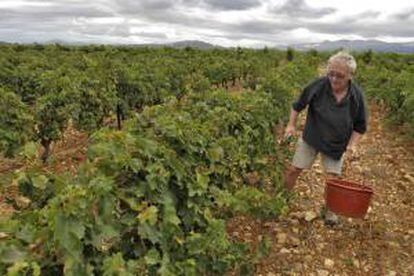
{"points": [[338, 75]]}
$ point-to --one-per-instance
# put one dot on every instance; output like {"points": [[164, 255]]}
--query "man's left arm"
{"points": [[353, 141], [360, 124]]}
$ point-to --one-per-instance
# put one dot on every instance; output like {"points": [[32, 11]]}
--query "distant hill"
{"points": [[185, 43], [357, 45], [194, 44], [351, 45], [179, 44]]}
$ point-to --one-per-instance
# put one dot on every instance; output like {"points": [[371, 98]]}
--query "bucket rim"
{"points": [[340, 183]]}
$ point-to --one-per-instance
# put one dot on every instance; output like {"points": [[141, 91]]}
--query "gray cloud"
{"points": [[233, 4], [156, 35], [136, 7], [368, 15], [122, 30], [56, 21], [57, 10], [260, 27], [405, 15], [299, 8], [367, 25]]}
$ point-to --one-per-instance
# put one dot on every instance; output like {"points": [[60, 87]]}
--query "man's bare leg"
{"points": [[290, 176]]}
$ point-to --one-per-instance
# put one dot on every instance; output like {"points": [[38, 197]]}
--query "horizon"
{"points": [[58, 41], [347, 45]]}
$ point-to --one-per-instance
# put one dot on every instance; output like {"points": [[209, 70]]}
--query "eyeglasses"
{"points": [[336, 75]]}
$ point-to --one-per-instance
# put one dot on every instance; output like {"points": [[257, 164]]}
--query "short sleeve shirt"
{"points": [[329, 124]]}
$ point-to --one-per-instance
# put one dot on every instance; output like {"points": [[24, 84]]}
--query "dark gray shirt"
{"points": [[329, 124]]}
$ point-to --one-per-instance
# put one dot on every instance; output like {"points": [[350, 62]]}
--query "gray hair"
{"points": [[346, 58]]}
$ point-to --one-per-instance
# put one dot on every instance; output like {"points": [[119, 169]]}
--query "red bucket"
{"points": [[347, 198]]}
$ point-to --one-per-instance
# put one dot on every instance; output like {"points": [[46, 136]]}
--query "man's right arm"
{"points": [[291, 126], [303, 100]]}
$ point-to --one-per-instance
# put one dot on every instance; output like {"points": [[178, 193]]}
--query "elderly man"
{"points": [[336, 118]]}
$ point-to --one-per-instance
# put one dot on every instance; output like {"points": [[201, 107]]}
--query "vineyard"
{"points": [[175, 145]]}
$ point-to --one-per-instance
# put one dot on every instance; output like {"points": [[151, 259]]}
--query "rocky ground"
{"points": [[380, 244]]}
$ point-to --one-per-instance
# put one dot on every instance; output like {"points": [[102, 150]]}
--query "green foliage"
{"points": [[52, 110], [367, 56], [88, 85], [152, 198], [392, 85], [290, 53], [52, 115], [16, 123], [94, 101], [280, 91]]}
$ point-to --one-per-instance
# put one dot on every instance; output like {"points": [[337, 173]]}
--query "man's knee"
{"points": [[294, 170]]}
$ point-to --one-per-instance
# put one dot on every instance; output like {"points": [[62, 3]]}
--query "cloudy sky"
{"points": [[249, 23]]}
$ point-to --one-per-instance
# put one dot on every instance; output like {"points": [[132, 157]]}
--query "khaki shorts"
{"points": [[305, 155]]}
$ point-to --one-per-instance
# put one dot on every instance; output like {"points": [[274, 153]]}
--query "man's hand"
{"points": [[290, 131], [351, 152], [351, 148]]}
